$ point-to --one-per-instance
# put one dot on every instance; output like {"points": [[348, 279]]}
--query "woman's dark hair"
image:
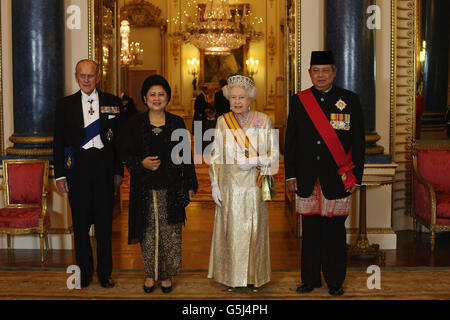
{"points": [[155, 80]]}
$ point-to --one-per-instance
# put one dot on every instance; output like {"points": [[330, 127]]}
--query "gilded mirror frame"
{"points": [[292, 48], [403, 93], [96, 36]]}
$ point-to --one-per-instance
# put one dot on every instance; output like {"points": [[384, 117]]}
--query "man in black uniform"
{"points": [[221, 104], [86, 167], [200, 105], [320, 120], [128, 108]]}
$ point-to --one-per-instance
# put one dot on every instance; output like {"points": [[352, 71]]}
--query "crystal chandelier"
{"points": [[216, 28], [130, 53]]}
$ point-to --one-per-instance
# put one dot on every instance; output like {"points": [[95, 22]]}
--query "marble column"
{"points": [[38, 74], [353, 46], [435, 31]]}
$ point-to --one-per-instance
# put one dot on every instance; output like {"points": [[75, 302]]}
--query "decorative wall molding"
{"points": [[175, 45], [141, 13], [271, 45], [91, 28], [402, 101]]}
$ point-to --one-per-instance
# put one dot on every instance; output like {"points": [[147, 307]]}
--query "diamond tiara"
{"points": [[240, 81]]}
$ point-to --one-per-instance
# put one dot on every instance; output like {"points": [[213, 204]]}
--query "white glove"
{"points": [[216, 194], [247, 164]]}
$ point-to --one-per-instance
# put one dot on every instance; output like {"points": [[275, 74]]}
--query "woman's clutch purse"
{"points": [[178, 196], [268, 188]]}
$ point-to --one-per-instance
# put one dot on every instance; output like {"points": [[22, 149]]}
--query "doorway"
{"points": [[134, 80]]}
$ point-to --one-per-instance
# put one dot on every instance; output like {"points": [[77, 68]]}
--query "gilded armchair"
{"points": [[431, 187], [25, 199]]}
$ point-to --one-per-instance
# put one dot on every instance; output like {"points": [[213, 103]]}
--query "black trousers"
{"points": [[324, 248], [91, 198]]}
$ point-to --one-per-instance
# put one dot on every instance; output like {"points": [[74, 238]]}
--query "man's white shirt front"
{"points": [[89, 118]]}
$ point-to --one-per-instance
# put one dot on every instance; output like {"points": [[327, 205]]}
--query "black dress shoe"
{"points": [[306, 288], [336, 291], [107, 283], [166, 289], [149, 289], [86, 282]]}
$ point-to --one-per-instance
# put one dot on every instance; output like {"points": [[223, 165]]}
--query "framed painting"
{"points": [[216, 67]]}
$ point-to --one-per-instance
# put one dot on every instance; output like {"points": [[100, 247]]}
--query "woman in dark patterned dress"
{"points": [[160, 186]]}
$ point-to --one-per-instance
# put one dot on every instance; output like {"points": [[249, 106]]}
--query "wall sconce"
{"points": [[193, 70], [252, 67]]}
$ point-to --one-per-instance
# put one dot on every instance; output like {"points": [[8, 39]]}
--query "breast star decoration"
{"points": [[340, 104]]}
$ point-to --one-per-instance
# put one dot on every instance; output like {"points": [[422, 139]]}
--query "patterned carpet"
{"points": [[396, 284], [204, 189]]}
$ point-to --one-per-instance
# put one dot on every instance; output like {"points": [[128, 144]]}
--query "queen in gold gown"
{"points": [[245, 147]]}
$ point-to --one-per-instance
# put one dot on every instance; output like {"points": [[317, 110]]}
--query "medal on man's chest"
{"points": [[340, 121], [109, 134], [91, 109], [341, 104], [69, 162], [110, 109]]}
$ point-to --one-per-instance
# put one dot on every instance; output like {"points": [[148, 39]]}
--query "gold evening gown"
{"points": [[240, 243]]}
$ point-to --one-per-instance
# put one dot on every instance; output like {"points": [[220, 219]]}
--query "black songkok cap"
{"points": [[321, 57]]}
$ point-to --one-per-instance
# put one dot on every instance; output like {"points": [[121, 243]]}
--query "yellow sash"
{"points": [[242, 140]]}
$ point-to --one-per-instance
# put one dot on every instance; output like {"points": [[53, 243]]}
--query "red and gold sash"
{"points": [[242, 140], [326, 131]]}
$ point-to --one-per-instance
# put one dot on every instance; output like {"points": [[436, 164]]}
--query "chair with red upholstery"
{"points": [[25, 199], [431, 186]]}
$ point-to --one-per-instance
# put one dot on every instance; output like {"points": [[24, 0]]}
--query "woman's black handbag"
{"points": [[177, 200]]}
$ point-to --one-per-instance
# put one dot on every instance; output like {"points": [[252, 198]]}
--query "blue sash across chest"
{"points": [[91, 131]]}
